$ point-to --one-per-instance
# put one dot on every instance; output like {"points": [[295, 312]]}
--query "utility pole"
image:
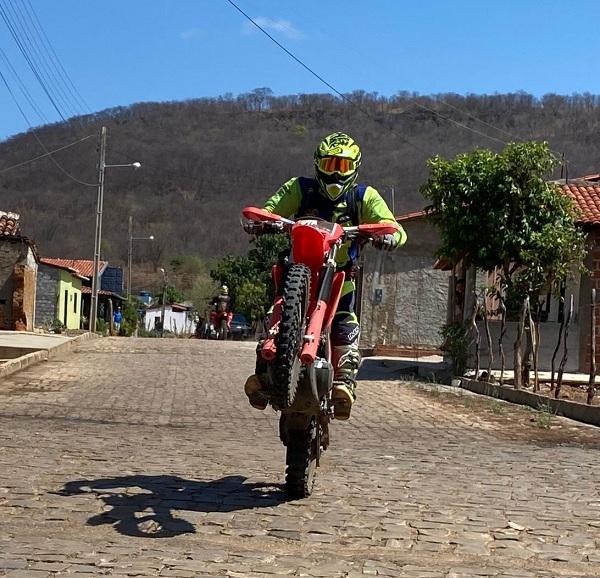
{"points": [[162, 314], [98, 235], [129, 257]]}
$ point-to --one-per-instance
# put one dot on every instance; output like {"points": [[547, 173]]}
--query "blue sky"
{"points": [[118, 52]]}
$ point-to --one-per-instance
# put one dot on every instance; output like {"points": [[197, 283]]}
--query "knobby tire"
{"points": [[301, 461], [286, 366]]}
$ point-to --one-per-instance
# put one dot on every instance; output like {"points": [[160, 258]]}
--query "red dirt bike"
{"points": [[297, 347], [220, 322]]}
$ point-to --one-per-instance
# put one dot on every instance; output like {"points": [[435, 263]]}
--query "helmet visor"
{"points": [[340, 165]]}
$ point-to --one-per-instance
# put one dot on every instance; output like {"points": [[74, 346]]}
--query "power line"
{"points": [[65, 75], [318, 76], [46, 154], [58, 165], [32, 66]]}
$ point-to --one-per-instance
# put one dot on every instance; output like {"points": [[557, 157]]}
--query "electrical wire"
{"points": [[46, 154], [32, 66]]}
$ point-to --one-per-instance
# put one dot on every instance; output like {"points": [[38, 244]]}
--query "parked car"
{"points": [[240, 327]]}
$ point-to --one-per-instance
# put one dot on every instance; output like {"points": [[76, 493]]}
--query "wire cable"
{"points": [[58, 165], [46, 154]]}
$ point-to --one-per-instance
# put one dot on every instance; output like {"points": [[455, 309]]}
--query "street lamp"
{"points": [[162, 313], [131, 239], [98, 236]]}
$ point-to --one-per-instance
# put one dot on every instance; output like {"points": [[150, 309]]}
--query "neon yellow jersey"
{"points": [[300, 197]]}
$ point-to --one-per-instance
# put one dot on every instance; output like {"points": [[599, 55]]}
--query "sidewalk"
{"points": [[19, 349]]}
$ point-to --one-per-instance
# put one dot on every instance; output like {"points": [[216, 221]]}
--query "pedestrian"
{"points": [[117, 318]]}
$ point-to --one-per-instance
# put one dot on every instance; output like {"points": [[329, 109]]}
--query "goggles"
{"points": [[340, 165]]}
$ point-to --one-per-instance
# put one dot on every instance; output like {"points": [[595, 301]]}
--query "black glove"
{"points": [[385, 242], [253, 228]]}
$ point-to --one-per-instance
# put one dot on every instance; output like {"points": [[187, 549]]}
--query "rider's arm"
{"points": [[286, 201], [375, 210]]}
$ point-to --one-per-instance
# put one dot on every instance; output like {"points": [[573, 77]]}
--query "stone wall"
{"points": [[404, 300], [46, 302]]}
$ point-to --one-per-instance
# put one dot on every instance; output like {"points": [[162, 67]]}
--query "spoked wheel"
{"points": [[302, 455], [286, 367]]}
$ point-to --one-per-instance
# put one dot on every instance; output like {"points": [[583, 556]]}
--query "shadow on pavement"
{"points": [[377, 368], [142, 505]]}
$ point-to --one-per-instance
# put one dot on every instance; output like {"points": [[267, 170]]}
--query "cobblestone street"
{"points": [[142, 457]]}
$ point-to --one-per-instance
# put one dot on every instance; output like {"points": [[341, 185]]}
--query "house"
{"points": [[586, 196], [178, 318], [58, 294], [109, 292], [403, 300], [18, 271]]}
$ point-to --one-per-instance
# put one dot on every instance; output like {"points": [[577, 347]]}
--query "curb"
{"points": [[589, 414], [29, 359]]}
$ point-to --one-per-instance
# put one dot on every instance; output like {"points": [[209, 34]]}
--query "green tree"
{"points": [[498, 210]]}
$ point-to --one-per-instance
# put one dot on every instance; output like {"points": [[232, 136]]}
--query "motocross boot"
{"points": [[254, 386], [346, 359]]}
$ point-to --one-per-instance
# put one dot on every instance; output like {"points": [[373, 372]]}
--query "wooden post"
{"points": [[473, 324], [501, 338], [489, 339], [560, 332], [565, 356], [591, 390], [517, 353]]}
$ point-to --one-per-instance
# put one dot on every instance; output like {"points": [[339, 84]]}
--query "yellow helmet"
{"points": [[224, 289], [337, 159]]}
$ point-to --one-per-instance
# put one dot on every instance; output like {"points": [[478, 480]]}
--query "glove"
{"points": [[253, 228], [385, 242]]}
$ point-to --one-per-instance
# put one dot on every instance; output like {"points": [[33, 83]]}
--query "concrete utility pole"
{"points": [[162, 313], [98, 235], [102, 166], [129, 257]]}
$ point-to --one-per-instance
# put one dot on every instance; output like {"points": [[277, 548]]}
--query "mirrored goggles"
{"points": [[340, 165]]}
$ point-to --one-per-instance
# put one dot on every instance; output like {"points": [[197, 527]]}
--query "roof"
{"points": [[587, 199], [83, 267], [51, 263], [9, 224], [177, 307], [88, 291]]}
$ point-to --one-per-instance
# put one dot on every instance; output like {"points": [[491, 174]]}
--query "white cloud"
{"points": [[191, 33], [284, 27]]}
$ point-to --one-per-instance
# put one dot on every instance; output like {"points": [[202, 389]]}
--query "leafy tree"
{"points": [[498, 210], [249, 277], [172, 295]]}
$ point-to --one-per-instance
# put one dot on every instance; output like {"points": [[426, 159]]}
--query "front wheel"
{"points": [[285, 369], [302, 454]]}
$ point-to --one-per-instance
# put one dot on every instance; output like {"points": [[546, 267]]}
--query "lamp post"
{"points": [[102, 166], [131, 239], [162, 313]]}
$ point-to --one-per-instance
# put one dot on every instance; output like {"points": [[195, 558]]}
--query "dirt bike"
{"points": [[297, 349], [220, 322]]}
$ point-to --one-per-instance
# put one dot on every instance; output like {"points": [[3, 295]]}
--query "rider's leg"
{"points": [[345, 334], [255, 382]]}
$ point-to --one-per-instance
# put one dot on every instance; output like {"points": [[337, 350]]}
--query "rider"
{"points": [[222, 301], [334, 195]]}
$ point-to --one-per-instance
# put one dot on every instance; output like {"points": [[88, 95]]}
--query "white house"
{"points": [[178, 318]]}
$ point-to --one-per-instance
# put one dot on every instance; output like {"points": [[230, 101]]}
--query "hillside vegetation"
{"points": [[203, 160]]}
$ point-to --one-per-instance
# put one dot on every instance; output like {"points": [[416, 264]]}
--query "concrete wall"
{"points": [[175, 321], [404, 300], [588, 283], [47, 295]]}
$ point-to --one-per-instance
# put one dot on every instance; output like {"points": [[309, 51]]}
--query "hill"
{"points": [[203, 160]]}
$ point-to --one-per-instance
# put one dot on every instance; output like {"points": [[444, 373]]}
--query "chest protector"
{"points": [[345, 210]]}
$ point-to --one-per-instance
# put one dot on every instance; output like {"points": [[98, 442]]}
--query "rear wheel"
{"points": [[286, 367], [303, 447]]}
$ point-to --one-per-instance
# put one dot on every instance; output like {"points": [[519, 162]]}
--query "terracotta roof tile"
{"points": [[83, 267], [9, 224], [587, 199]]}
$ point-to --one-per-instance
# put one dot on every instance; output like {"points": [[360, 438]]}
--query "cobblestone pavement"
{"points": [[142, 458]]}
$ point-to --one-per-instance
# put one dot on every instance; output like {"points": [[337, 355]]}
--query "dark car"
{"points": [[240, 327]]}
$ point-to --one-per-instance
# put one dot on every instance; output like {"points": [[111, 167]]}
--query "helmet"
{"points": [[337, 159], [224, 289]]}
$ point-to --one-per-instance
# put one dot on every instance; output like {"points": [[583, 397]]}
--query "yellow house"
{"points": [[58, 296]]}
